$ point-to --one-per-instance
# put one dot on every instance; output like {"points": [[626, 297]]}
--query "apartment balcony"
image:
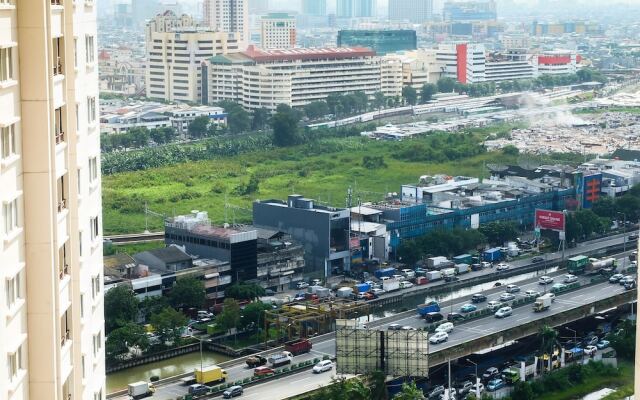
{"points": [[57, 18], [66, 355], [58, 90]]}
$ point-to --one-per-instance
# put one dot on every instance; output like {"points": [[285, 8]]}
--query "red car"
{"points": [[260, 371]]}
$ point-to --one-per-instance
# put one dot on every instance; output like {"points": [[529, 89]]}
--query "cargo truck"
{"points": [[139, 390], [463, 259], [256, 361], [492, 255], [211, 374], [434, 262], [388, 272], [280, 359], [362, 287], [603, 266], [391, 284], [462, 268], [433, 275], [428, 307], [448, 272], [542, 303], [577, 265], [299, 346], [344, 292]]}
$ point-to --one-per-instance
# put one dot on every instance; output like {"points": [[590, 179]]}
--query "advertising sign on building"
{"points": [[553, 220]]}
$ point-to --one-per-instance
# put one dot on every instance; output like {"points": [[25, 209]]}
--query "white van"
{"points": [[445, 327]]}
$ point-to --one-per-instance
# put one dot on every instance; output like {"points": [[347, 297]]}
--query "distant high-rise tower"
{"points": [[416, 11], [355, 8], [316, 8], [278, 31], [231, 16], [52, 324]]}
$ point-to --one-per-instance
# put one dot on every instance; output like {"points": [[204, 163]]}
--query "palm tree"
{"points": [[549, 337], [377, 385]]}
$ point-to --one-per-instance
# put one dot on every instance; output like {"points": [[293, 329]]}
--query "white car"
{"points": [[494, 305], [502, 267], [378, 291], [477, 388], [568, 278], [590, 350], [409, 273], [507, 297], [503, 312], [303, 285], [532, 294], [512, 289], [446, 327], [406, 284], [322, 366], [439, 337], [545, 280]]}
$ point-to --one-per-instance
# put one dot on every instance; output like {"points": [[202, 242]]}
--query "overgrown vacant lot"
{"points": [[322, 170]]}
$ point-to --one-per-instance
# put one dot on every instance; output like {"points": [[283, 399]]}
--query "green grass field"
{"points": [[322, 171]]}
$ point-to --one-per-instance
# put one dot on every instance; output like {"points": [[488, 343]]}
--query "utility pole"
{"points": [[449, 378]]}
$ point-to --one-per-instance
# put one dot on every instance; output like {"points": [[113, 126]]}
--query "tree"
{"points": [[522, 391], [409, 95], [427, 91], [316, 109], [237, 117], [446, 85], [229, 318], [625, 342], [379, 100], [373, 162], [187, 292], [630, 206], [253, 315], [168, 324], [244, 291], [333, 100], [198, 128], [409, 392], [499, 232], [510, 150], [409, 252], [548, 337], [605, 207], [376, 381], [121, 307], [152, 305], [120, 340], [360, 101], [139, 136], [285, 126], [343, 389], [259, 118]]}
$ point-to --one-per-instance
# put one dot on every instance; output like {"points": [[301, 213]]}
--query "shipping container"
{"points": [[434, 262], [362, 287], [389, 272], [492, 255]]}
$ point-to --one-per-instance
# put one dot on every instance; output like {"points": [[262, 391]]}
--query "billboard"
{"points": [[592, 184], [396, 353], [553, 220]]}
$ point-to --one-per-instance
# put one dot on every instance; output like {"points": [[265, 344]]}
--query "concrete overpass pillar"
{"points": [[535, 370], [562, 358], [523, 374]]}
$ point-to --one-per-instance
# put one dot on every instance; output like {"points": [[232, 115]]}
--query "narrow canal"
{"points": [[164, 369]]}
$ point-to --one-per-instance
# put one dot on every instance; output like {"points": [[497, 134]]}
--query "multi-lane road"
{"points": [[463, 332]]}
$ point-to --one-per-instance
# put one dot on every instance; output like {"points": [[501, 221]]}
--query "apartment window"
{"points": [[77, 117], [6, 63], [80, 243], [91, 109], [94, 228], [93, 169], [7, 141], [6, 1], [82, 310], [97, 343], [10, 216], [15, 363], [89, 47], [84, 367], [12, 290], [95, 286]]}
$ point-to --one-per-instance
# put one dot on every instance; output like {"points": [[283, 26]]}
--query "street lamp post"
{"points": [[477, 379], [201, 358], [624, 238]]}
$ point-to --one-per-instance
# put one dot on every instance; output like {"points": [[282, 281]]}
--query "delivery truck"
{"points": [[448, 272], [280, 359], [542, 303], [362, 287], [462, 268], [433, 275], [299, 346], [391, 284], [434, 262], [388, 272], [492, 255], [140, 390], [344, 292], [463, 259], [210, 374], [428, 307]]}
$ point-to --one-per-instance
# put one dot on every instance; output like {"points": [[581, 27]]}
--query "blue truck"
{"points": [[362, 287], [492, 255], [431, 306], [388, 272]]}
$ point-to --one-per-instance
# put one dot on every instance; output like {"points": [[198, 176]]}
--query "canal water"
{"points": [[164, 369]]}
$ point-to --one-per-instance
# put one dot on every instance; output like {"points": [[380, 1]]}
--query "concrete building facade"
{"points": [[230, 16], [266, 78], [381, 41], [52, 327], [323, 231], [277, 31], [175, 51]]}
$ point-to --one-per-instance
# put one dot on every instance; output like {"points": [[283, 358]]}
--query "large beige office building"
{"points": [[175, 50], [51, 297]]}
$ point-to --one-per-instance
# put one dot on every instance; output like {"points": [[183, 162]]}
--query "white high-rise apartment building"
{"points": [[278, 31], [231, 16], [51, 297]]}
